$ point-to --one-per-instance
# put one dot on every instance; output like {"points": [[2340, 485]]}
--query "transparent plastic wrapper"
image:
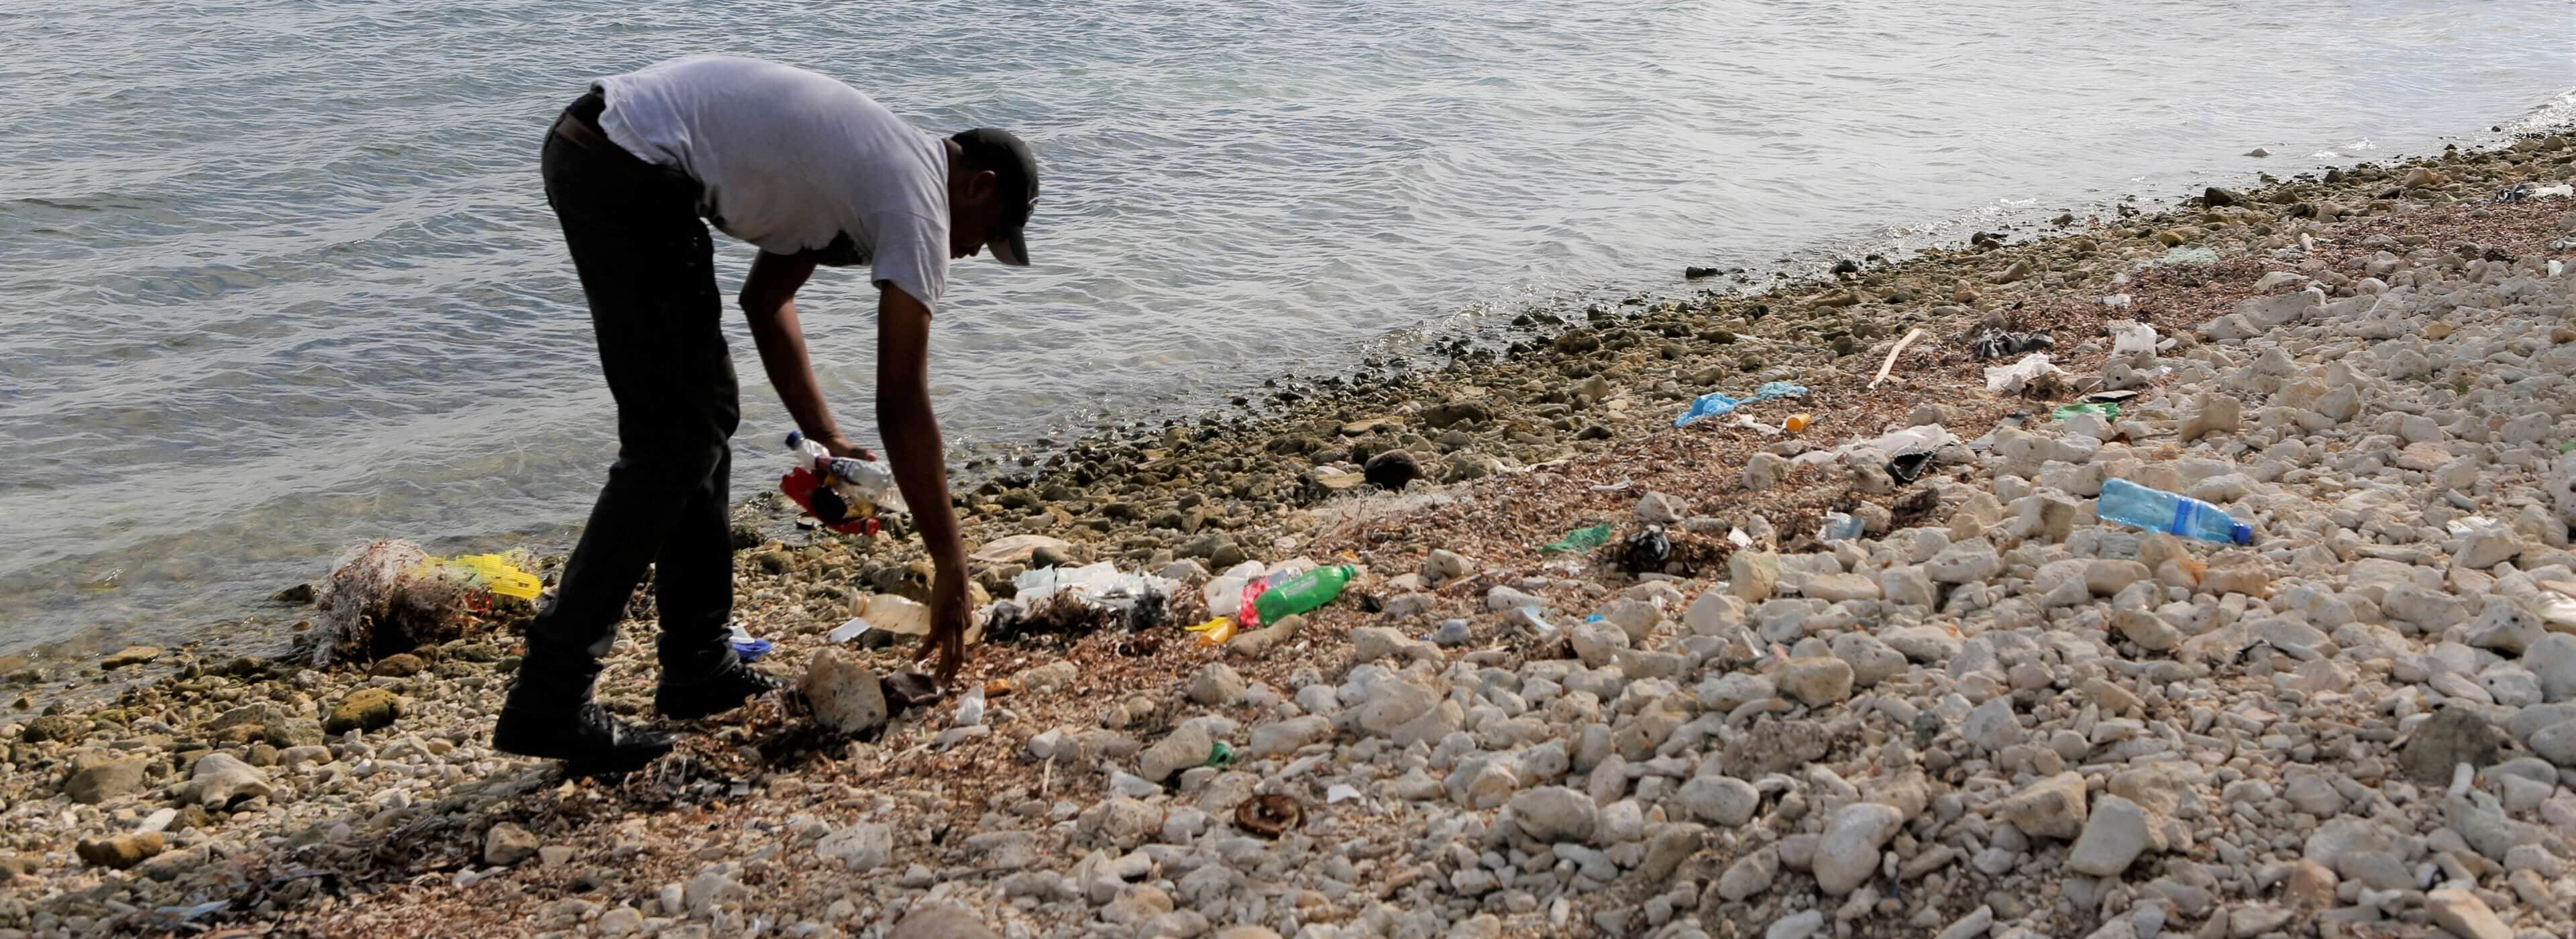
{"points": [[2011, 379]]}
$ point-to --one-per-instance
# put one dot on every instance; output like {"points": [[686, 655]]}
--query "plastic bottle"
{"points": [[2157, 510], [1301, 593], [861, 487]]}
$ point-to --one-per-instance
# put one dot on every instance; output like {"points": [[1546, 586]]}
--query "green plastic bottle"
{"points": [[1301, 593]]}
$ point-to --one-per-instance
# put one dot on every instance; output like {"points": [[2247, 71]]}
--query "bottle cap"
{"points": [[2241, 533]]}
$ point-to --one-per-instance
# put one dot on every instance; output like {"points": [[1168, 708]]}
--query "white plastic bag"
{"points": [[2011, 379]]}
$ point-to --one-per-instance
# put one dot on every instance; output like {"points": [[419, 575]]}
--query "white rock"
{"points": [[1186, 746], [1555, 813], [1217, 685], [2462, 914], [1962, 562], [1443, 565], [220, 778], [1817, 681], [1796, 926], [861, 847], [1750, 874], [845, 695], [1847, 854], [2050, 808], [2115, 836], [1725, 800], [1659, 509], [1993, 725]]}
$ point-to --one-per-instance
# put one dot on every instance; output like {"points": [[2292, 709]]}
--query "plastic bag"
{"points": [[2011, 379], [1580, 539]]}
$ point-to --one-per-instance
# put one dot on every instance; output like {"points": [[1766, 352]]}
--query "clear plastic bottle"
{"points": [[2157, 510], [1301, 593]]}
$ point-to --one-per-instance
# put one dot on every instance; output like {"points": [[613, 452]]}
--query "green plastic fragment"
{"points": [[2101, 409], [1580, 539], [1220, 755]]}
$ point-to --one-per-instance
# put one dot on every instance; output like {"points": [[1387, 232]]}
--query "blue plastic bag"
{"points": [[1712, 404]]}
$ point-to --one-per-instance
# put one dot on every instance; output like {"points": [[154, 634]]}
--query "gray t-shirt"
{"points": [[794, 162]]}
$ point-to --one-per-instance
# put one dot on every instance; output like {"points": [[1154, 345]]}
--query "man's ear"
{"points": [[982, 185]]}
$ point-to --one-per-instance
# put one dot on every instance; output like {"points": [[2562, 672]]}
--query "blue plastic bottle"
{"points": [[2157, 510]]}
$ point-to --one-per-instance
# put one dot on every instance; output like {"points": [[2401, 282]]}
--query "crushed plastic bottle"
{"points": [[1839, 527], [2101, 409], [845, 494], [1298, 594], [2157, 510]]}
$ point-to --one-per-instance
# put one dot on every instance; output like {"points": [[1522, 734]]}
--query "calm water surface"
{"points": [[279, 275]]}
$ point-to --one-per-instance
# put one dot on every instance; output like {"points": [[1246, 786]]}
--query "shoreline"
{"points": [[1514, 442], [223, 631]]}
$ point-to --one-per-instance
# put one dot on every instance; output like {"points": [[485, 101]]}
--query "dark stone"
{"points": [[300, 593], [1846, 266], [1695, 273], [2450, 737], [2215, 197], [1391, 470], [54, 727]]}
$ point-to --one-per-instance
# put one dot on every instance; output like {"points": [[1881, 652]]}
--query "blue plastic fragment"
{"points": [[1712, 404]]}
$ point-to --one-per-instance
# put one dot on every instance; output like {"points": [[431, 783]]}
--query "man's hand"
{"points": [[950, 614], [842, 446]]}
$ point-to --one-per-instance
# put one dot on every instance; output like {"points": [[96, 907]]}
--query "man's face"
{"points": [[973, 215]]}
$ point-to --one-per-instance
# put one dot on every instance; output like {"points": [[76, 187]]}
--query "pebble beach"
{"points": [[1989, 713]]}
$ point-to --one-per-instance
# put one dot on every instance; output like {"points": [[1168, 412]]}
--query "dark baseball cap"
{"points": [[1016, 172]]}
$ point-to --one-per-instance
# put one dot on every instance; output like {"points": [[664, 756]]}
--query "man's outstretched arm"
{"points": [[769, 301], [919, 456]]}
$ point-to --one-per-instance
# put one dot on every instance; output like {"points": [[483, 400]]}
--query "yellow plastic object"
{"points": [[1797, 423], [1214, 632], [494, 572]]}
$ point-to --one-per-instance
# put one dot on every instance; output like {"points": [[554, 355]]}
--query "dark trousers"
{"points": [[647, 265]]}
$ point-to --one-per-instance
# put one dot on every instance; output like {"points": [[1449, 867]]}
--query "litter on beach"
{"points": [[1719, 404], [2012, 379], [1580, 539]]}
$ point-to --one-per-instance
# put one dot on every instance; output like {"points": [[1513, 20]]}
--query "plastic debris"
{"points": [[1079, 600], [970, 708], [745, 646], [1718, 404], [1747, 422], [1268, 815], [1580, 539], [1215, 631], [1620, 486], [1646, 550], [1908, 467], [1890, 364], [908, 689], [1340, 792], [1280, 598], [1737, 537], [847, 631], [1797, 423], [2134, 339], [2128, 503], [1838, 527], [2014, 378], [1712, 404], [2101, 410], [1220, 755], [1996, 344]]}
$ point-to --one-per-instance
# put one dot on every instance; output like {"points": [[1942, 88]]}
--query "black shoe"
{"points": [[587, 739], [714, 694]]}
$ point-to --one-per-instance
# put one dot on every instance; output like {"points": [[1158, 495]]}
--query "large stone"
{"points": [[2148, 630], [2553, 660], [1993, 725], [2050, 808], [1725, 800], [1847, 854], [1442, 566], [2453, 735], [1656, 508], [1750, 874], [363, 709], [96, 781], [122, 851], [1836, 588], [1907, 585], [1964, 562], [1186, 746], [1217, 685], [941, 920], [506, 844], [1871, 660], [2115, 835], [845, 695], [2213, 414], [1281, 737], [1817, 681], [1555, 813], [1753, 576], [130, 655], [2462, 914], [862, 847], [220, 778]]}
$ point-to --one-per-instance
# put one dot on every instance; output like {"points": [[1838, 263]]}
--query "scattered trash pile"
{"points": [[388, 596]]}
